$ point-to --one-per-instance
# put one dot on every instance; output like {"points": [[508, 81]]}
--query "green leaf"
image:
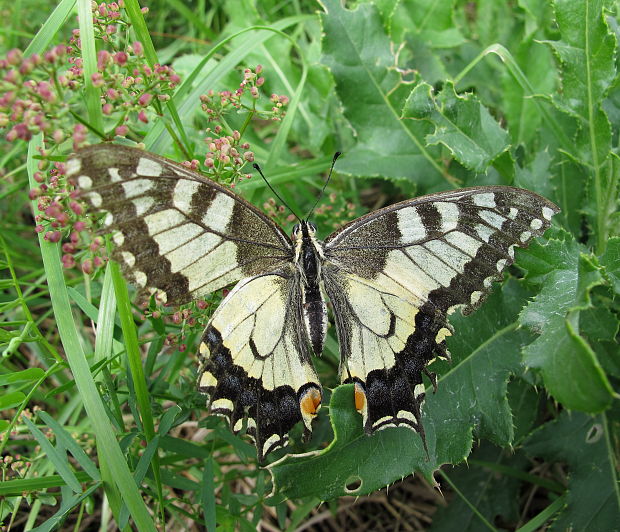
{"points": [[567, 364], [11, 400], [358, 54], [25, 375], [584, 444], [471, 395], [428, 20], [71, 445], [69, 502], [610, 260], [57, 458], [462, 124], [586, 52]]}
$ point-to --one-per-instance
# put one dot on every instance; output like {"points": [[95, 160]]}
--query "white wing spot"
{"points": [[219, 213], [136, 187], [85, 182], [109, 219], [73, 167], [418, 390], [449, 213], [484, 232], [148, 167], [115, 177], [488, 282], [513, 213], [525, 236], [476, 296], [95, 199], [536, 224], [492, 218], [119, 238], [410, 225], [547, 213], [140, 278], [485, 200], [183, 193], [129, 258], [143, 204], [511, 251], [501, 264]]}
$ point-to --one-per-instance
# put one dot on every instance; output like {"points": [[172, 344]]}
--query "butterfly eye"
{"points": [[296, 229], [312, 227]]}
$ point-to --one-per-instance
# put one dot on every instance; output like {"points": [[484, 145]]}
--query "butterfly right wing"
{"points": [[255, 360]]}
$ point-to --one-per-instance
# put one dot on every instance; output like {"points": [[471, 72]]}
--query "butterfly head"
{"points": [[303, 229]]}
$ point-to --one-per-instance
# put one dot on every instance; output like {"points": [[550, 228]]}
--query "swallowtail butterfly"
{"points": [[392, 277]]}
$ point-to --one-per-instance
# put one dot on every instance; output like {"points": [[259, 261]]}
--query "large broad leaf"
{"points": [[569, 367], [461, 123], [586, 51], [611, 261], [584, 444], [362, 61], [471, 398]]}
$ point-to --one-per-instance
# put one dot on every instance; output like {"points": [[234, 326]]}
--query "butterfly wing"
{"points": [[255, 360], [394, 275], [185, 235], [175, 230]]}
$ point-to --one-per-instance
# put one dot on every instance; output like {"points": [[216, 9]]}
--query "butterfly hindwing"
{"points": [[394, 275], [175, 230], [256, 361]]}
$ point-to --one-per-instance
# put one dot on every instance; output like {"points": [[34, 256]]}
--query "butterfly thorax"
{"points": [[308, 258]]}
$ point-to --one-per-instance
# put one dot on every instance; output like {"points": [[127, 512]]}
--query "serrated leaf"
{"points": [[462, 124], [358, 53], [471, 396], [584, 444], [567, 363], [586, 51]]}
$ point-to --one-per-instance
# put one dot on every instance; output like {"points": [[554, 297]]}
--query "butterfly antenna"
{"points": [[336, 155], [257, 168]]}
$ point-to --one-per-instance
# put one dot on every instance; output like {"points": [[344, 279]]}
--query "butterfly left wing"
{"points": [[395, 274]]}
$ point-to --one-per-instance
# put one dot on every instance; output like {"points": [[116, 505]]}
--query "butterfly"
{"points": [[392, 277]]}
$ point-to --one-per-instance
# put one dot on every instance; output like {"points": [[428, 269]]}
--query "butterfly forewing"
{"points": [[394, 275], [175, 230]]}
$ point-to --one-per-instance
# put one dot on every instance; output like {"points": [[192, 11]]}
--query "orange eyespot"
{"points": [[360, 397], [310, 402]]}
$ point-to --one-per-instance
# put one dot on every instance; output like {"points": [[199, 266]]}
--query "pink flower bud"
{"points": [[68, 261], [78, 226], [137, 48], [145, 99], [142, 117], [120, 58], [249, 156], [107, 109], [258, 69], [121, 131], [53, 236], [39, 228], [87, 266], [14, 56]]}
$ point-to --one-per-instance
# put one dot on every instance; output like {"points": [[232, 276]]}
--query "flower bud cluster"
{"points": [[217, 104], [183, 322], [40, 93], [62, 218]]}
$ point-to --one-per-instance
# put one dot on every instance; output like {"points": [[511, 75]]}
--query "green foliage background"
{"points": [[421, 96]]}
